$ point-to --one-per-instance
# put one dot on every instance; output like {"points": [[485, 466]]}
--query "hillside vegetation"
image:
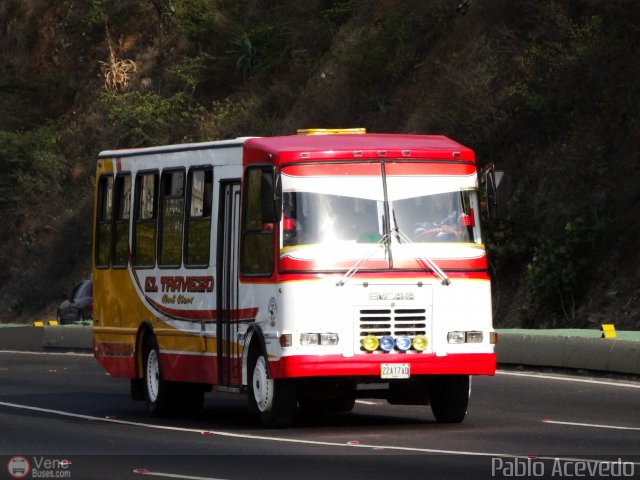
{"points": [[545, 90]]}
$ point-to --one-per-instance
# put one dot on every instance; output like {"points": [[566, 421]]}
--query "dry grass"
{"points": [[117, 73]]}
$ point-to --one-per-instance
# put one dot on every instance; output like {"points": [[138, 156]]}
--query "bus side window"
{"points": [[122, 210], [104, 216], [171, 218], [258, 231], [198, 227], [146, 219]]}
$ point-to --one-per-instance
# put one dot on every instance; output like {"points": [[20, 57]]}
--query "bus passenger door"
{"points": [[229, 353]]}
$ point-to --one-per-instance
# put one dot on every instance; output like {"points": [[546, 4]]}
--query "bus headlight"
{"points": [[420, 343], [403, 343], [465, 337], [455, 337], [474, 337], [307, 339], [370, 343], [387, 343], [328, 339]]}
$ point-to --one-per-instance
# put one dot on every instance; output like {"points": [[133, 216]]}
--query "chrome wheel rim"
{"points": [[153, 375], [262, 386]]}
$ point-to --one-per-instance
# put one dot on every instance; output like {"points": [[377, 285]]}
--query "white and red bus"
{"points": [[304, 271]]}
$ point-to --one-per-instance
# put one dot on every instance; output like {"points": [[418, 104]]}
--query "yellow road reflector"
{"points": [[38, 324], [53, 323], [608, 330], [327, 131]]}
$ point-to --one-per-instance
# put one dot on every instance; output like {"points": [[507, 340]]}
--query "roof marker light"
{"points": [[328, 131], [406, 153], [357, 153]]}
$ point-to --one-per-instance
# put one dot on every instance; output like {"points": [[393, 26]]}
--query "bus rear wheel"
{"points": [[273, 399], [158, 393], [449, 397]]}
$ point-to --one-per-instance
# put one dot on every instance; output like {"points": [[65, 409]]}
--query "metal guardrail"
{"points": [[574, 349]]}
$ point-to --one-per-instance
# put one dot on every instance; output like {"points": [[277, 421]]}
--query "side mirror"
{"points": [[495, 184]]}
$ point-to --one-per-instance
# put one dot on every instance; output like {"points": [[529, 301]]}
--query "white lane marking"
{"points": [[290, 440], [76, 354], [249, 436], [173, 475], [569, 379], [365, 402], [592, 425]]}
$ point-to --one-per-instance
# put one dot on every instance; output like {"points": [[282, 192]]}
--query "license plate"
{"points": [[394, 370]]}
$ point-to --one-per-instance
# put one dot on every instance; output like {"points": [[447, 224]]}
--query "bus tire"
{"points": [[158, 393], [449, 397], [273, 399]]}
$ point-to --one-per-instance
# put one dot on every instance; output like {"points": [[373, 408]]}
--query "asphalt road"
{"points": [[61, 408]]}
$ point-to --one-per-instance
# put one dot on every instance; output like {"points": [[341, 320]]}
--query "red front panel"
{"points": [[369, 365]]}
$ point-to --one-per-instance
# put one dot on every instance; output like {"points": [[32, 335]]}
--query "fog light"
{"points": [[387, 343], [328, 339], [403, 343], [455, 337], [420, 343], [307, 339], [370, 343], [474, 337]]}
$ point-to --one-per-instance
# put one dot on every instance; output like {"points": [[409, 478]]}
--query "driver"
{"points": [[444, 224]]}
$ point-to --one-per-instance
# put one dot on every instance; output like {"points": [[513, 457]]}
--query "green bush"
{"points": [[33, 165], [147, 118]]}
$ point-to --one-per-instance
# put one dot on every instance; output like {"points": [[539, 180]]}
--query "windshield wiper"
{"points": [[444, 279], [427, 262], [359, 263]]}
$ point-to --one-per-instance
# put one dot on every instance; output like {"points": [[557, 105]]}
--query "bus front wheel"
{"points": [[157, 392], [449, 397], [273, 399]]}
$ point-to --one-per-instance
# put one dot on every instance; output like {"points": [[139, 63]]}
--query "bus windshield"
{"points": [[335, 214]]}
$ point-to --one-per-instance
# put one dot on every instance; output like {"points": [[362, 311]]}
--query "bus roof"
{"points": [[181, 147], [294, 148], [366, 146]]}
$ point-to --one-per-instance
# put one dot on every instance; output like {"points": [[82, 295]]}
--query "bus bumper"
{"points": [[370, 365]]}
